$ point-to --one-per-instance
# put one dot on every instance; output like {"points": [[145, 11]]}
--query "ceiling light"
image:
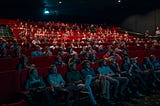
{"points": [[46, 12], [119, 1], [60, 2]]}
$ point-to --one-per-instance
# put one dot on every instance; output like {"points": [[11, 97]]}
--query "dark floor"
{"points": [[150, 99]]}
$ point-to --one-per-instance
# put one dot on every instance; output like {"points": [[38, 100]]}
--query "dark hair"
{"points": [[50, 68], [84, 63], [71, 64], [101, 62]]}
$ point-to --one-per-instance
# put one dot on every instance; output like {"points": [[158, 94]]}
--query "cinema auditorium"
{"points": [[79, 53]]}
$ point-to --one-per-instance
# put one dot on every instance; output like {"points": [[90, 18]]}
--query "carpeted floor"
{"points": [[151, 99]]}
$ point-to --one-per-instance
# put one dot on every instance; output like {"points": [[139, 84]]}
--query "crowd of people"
{"points": [[117, 75]]}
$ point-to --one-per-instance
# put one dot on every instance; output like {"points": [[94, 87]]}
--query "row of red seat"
{"points": [[11, 63]]}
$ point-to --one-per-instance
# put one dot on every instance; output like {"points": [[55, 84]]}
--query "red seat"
{"points": [[9, 81], [21, 102]]}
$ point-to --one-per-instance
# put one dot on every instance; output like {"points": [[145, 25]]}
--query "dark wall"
{"points": [[140, 22]]}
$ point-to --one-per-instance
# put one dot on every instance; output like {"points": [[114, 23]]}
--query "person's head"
{"points": [[73, 66], [33, 73], [38, 48], [146, 60], [86, 64], [47, 48], [75, 56], [59, 58], [152, 57], [93, 54], [32, 67], [53, 69], [127, 59], [103, 62], [134, 60], [112, 59]]}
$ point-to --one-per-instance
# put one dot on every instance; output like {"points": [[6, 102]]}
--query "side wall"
{"points": [[141, 22]]}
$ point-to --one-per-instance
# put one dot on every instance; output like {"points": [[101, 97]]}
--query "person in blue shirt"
{"points": [[74, 77], [149, 70], [133, 87], [136, 72], [155, 62], [113, 78], [36, 85], [97, 80], [37, 52], [59, 85]]}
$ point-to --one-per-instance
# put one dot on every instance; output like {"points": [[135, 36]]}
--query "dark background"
{"points": [[133, 15]]}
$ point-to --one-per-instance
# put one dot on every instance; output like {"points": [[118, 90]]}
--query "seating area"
{"points": [[64, 40]]}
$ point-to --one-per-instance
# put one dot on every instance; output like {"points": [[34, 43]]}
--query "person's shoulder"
{"points": [[83, 70], [40, 78], [91, 69], [99, 68], [59, 75], [69, 72]]}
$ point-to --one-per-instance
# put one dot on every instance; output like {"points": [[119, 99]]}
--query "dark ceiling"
{"points": [[91, 9]]}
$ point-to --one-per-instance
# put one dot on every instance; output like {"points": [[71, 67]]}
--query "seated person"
{"points": [[23, 63], [74, 59], [97, 80], [61, 51], [100, 49], [74, 77], [58, 84], [136, 72], [36, 41], [133, 87], [37, 52], [58, 61], [16, 49], [93, 57], [3, 53], [155, 62], [47, 52], [36, 85], [112, 77], [71, 51], [148, 70], [85, 56], [83, 50], [114, 66]]}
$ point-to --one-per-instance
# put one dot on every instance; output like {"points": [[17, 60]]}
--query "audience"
{"points": [[74, 45]]}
